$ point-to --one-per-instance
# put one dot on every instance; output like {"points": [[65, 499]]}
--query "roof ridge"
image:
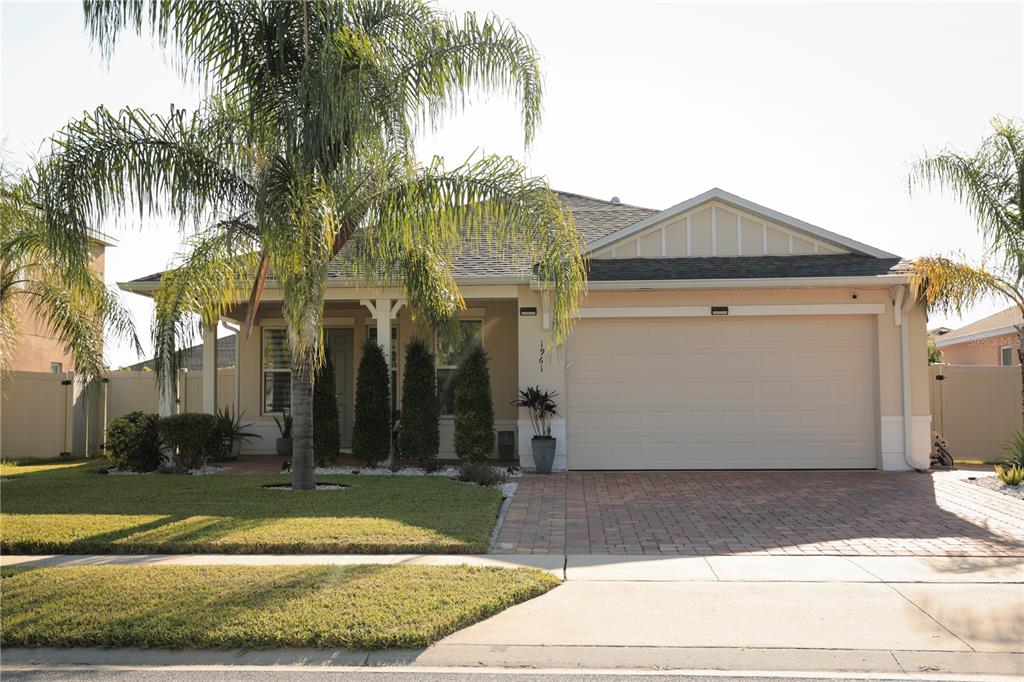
{"points": [[605, 201]]}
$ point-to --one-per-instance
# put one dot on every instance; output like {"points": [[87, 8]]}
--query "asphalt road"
{"points": [[324, 675]]}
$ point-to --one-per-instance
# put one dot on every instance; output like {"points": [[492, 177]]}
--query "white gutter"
{"points": [[744, 283], [903, 303], [147, 288]]}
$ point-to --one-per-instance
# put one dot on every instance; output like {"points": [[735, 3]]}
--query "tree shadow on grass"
{"points": [[236, 514]]}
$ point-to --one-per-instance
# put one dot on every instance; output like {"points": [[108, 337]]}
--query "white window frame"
{"points": [[1009, 354], [263, 371], [455, 368]]}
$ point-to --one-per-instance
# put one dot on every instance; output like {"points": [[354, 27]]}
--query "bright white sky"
{"points": [[815, 110]]}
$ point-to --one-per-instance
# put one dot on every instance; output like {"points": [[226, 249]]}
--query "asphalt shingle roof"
{"points": [[1004, 318], [597, 218], [742, 267]]}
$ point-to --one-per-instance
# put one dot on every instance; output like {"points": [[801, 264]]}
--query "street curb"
{"points": [[576, 658]]}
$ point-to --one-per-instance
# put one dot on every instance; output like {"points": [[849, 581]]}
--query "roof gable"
{"points": [[717, 223]]}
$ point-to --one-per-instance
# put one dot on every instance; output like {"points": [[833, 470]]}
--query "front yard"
{"points": [[69, 508], [359, 607]]}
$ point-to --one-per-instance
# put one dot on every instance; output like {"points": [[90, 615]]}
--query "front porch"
{"points": [[261, 383]]}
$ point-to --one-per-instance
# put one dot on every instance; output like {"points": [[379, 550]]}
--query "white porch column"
{"points": [[210, 369], [383, 310]]}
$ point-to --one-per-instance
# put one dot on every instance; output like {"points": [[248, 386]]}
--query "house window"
{"points": [[277, 372], [1006, 356], [57, 367], [371, 335], [450, 356]]}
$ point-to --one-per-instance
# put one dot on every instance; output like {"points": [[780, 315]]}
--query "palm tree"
{"points": [[304, 152], [54, 282], [988, 184], [949, 286]]}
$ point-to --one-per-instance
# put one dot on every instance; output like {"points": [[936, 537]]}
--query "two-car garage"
{"points": [[732, 392]]}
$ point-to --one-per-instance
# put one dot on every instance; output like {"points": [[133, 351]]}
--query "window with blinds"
{"points": [[277, 372], [449, 359]]}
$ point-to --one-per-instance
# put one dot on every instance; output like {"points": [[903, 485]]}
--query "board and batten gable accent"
{"points": [[715, 229]]}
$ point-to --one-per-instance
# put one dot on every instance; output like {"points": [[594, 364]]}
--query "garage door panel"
{"points": [[794, 392]]}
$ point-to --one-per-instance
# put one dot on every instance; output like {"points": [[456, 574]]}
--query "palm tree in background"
{"points": [[988, 184], [54, 282], [304, 152]]}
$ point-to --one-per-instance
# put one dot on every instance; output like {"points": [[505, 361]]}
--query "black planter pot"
{"points": [[284, 447], [543, 453]]}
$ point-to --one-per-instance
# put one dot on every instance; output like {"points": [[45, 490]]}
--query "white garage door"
{"points": [[722, 393]]}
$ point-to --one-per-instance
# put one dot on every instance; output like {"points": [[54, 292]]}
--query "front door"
{"points": [[340, 343]]}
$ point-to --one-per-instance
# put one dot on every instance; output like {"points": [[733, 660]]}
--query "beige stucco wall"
{"points": [[981, 351], [37, 348]]}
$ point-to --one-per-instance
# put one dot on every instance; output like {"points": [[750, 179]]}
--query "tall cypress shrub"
{"points": [[371, 430], [474, 411], [326, 436], [420, 436]]}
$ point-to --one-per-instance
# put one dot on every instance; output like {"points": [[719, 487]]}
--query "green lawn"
{"points": [[68, 508], [204, 607]]}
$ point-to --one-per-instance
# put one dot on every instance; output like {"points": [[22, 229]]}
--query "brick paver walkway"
{"points": [[791, 512]]}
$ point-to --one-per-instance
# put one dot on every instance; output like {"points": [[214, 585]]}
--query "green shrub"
{"points": [[474, 410], [133, 442], [1014, 449], [371, 429], [194, 437], [420, 436], [326, 436], [481, 473]]}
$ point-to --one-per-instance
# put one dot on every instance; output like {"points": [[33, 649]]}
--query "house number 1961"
{"points": [[540, 358]]}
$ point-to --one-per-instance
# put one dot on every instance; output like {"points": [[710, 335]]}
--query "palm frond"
{"points": [[487, 203], [988, 183], [105, 164], [950, 287], [209, 279]]}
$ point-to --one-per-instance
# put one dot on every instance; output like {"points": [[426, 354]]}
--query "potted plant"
{"points": [[541, 405], [233, 432], [284, 443]]}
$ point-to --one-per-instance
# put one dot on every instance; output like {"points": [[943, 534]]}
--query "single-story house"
{"points": [[191, 358], [715, 334], [991, 341]]}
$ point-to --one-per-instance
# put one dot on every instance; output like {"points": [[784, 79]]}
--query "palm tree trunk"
{"points": [[1020, 359], [302, 427]]}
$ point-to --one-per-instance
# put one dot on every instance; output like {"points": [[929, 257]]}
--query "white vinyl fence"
{"points": [[975, 408], [44, 415]]}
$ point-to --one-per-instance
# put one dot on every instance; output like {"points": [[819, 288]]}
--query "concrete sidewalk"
{"points": [[950, 615], [596, 567]]}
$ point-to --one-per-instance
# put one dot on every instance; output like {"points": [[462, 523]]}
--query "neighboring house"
{"points": [[990, 341], [38, 350], [192, 358], [716, 334]]}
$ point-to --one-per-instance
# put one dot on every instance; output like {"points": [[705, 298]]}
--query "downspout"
{"points": [[905, 301]]}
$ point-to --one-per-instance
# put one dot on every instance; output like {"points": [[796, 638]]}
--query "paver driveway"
{"points": [[790, 512]]}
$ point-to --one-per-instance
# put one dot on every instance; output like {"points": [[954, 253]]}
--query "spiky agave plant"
{"points": [[304, 151]]}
